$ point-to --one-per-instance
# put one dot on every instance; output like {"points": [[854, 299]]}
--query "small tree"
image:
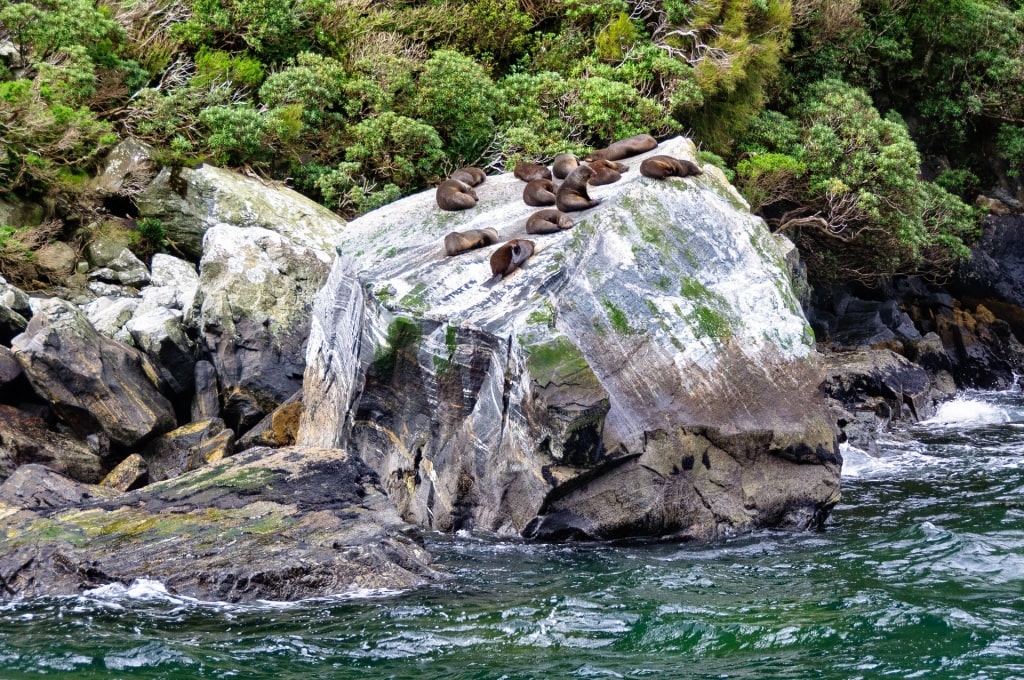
{"points": [[847, 188]]}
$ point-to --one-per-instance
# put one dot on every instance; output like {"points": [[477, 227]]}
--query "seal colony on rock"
{"points": [[470, 175], [509, 257], [572, 193], [624, 148], [460, 241], [606, 172], [455, 195], [539, 192], [563, 164], [660, 167], [528, 172], [548, 221]]}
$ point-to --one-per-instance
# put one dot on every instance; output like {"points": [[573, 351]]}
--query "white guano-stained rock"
{"points": [[647, 372], [252, 314]]}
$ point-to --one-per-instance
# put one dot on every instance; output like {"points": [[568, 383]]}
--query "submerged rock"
{"points": [[281, 524], [646, 373]]}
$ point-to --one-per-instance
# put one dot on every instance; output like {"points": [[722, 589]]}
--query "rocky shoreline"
{"points": [[251, 421]]}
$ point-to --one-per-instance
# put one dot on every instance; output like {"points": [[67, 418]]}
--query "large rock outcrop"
{"points": [[274, 525], [646, 373]]}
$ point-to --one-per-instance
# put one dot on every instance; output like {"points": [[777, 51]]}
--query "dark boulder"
{"points": [[282, 524]]}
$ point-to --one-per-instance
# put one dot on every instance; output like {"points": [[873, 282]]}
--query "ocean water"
{"points": [[919, 574]]}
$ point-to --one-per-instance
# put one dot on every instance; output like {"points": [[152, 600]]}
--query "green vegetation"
{"points": [[801, 102], [403, 336]]}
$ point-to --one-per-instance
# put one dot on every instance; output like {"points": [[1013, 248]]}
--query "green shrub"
{"points": [[236, 134], [393, 149], [456, 97], [617, 38], [215, 65], [768, 178]]}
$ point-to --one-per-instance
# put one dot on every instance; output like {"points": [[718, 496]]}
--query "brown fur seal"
{"points": [[461, 241], [660, 167], [539, 192], [531, 171], [563, 164], [624, 148], [469, 175], [508, 257], [572, 194], [455, 195], [548, 221], [606, 172]]}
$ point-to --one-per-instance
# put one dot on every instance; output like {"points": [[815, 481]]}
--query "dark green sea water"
{"points": [[920, 574]]}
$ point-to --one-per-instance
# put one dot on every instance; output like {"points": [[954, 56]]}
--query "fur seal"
{"points": [[460, 241], [660, 167], [455, 195], [606, 172], [572, 193], [624, 148], [548, 221], [469, 175], [530, 171], [539, 192], [563, 164], [508, 257]]}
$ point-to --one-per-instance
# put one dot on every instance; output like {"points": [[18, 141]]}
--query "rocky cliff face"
{"points": [[645, 373]]}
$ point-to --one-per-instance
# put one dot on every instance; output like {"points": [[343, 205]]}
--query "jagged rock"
{"points": [[130, 473], [188, 448], [25, 438], [93, 383], [302, 523], [881, 382], [177, 276], [11, 324], [108, 241], [983, 350], [252, 314], [647, 372], [161, 334], [14, 298], [280, 428], [14, 310], [10, 370], [125, 269], [108, 315], [112, 290], [190, 201], [994, 276], [40, 488], [205, 400], [127, 169]]}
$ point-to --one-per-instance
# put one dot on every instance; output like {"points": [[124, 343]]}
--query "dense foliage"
{"points": [[823, 108]]}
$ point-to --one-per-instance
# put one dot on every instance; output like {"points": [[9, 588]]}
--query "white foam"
{"points": [[963, 411], [151, 590]]}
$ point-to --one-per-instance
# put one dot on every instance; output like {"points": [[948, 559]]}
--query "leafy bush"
{"points": [[859, 210], [235, 134], [456, 96], [393, 149]]}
